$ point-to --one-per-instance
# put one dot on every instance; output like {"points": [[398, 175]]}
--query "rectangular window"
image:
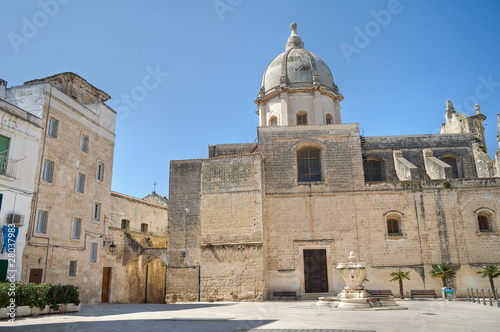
{"points": [[72, 268], [80, 183], [77, 225], [84, 146], [53, 126], [4, 153], [144, 228], [483, 223], [97, 211], [125, 224], [93, 252], [41, 225], [100, 171], [48, 171], [393, 227]]}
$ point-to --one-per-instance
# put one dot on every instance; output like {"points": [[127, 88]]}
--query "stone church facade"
{"points": [[279, 214]]}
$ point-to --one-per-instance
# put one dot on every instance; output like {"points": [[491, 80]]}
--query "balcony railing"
{"points": [[8, 167]]}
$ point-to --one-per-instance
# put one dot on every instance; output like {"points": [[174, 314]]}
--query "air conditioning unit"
{"points": [[16, 219]]}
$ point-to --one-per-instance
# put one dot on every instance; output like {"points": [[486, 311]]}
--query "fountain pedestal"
{"points": [[354, 296]]}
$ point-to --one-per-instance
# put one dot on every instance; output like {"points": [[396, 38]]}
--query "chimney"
{"points": [[3, 88]]}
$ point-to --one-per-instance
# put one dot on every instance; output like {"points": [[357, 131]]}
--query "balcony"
{"points": [[8, 167]]}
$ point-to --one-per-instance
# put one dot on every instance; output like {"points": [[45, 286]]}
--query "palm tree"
{"points": [[443, 271], [490, 271], [399, 276]]}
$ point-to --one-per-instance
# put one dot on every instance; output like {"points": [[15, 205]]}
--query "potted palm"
{"points": [[399, 275], [443, 271], [490, 271]]}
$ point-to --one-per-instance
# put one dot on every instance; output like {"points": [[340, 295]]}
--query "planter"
{"points": [[4, 312], [62, 308], [35, 311], [23, 310], [71, 307]]}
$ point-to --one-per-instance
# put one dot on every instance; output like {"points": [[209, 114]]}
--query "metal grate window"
{"points": [[100, 171], [97, 211], [72, 268], [373, 170]]}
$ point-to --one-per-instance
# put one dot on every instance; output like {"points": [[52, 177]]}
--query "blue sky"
{"points": [[185, 74]]}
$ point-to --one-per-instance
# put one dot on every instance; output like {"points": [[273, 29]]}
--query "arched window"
{"points": [[484, 224], [373, 170], [485, 221], [273, 121], [329, 119], [394, 222], [393, 226], [309, 165], [453, 163], [301, 118]]}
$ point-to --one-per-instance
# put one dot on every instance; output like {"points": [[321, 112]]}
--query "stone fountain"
{"points": [[354, 296]]}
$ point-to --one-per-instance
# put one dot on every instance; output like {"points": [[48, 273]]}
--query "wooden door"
{"points": [[106, 278], [315, 271], [36, 276]]}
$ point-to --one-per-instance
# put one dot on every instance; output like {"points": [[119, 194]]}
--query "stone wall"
{"points": [[457, 145], [216, 224], [137, 212]]}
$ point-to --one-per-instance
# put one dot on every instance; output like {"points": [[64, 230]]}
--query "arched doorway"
{"points": [[146, 279]]}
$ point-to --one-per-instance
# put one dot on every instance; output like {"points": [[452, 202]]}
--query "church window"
{"points": [[301, 118], [273, 121], [309, 165], [453, 163], [373, 170], [393, 226], [125, 224], [329, 119], [483, 223]]}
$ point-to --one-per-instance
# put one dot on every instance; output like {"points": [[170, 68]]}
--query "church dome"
{"points": [[296, 68]]}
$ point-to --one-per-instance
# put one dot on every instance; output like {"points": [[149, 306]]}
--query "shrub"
{"points": [[4, 294], [39, 295]]}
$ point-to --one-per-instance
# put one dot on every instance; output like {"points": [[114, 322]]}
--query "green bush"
{"points": [[39, 295], [4, 294]]}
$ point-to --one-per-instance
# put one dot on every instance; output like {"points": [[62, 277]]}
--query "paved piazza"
{"points": [[422, 315]]}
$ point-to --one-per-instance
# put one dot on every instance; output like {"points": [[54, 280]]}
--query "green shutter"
{"points": [[4, 152]]}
